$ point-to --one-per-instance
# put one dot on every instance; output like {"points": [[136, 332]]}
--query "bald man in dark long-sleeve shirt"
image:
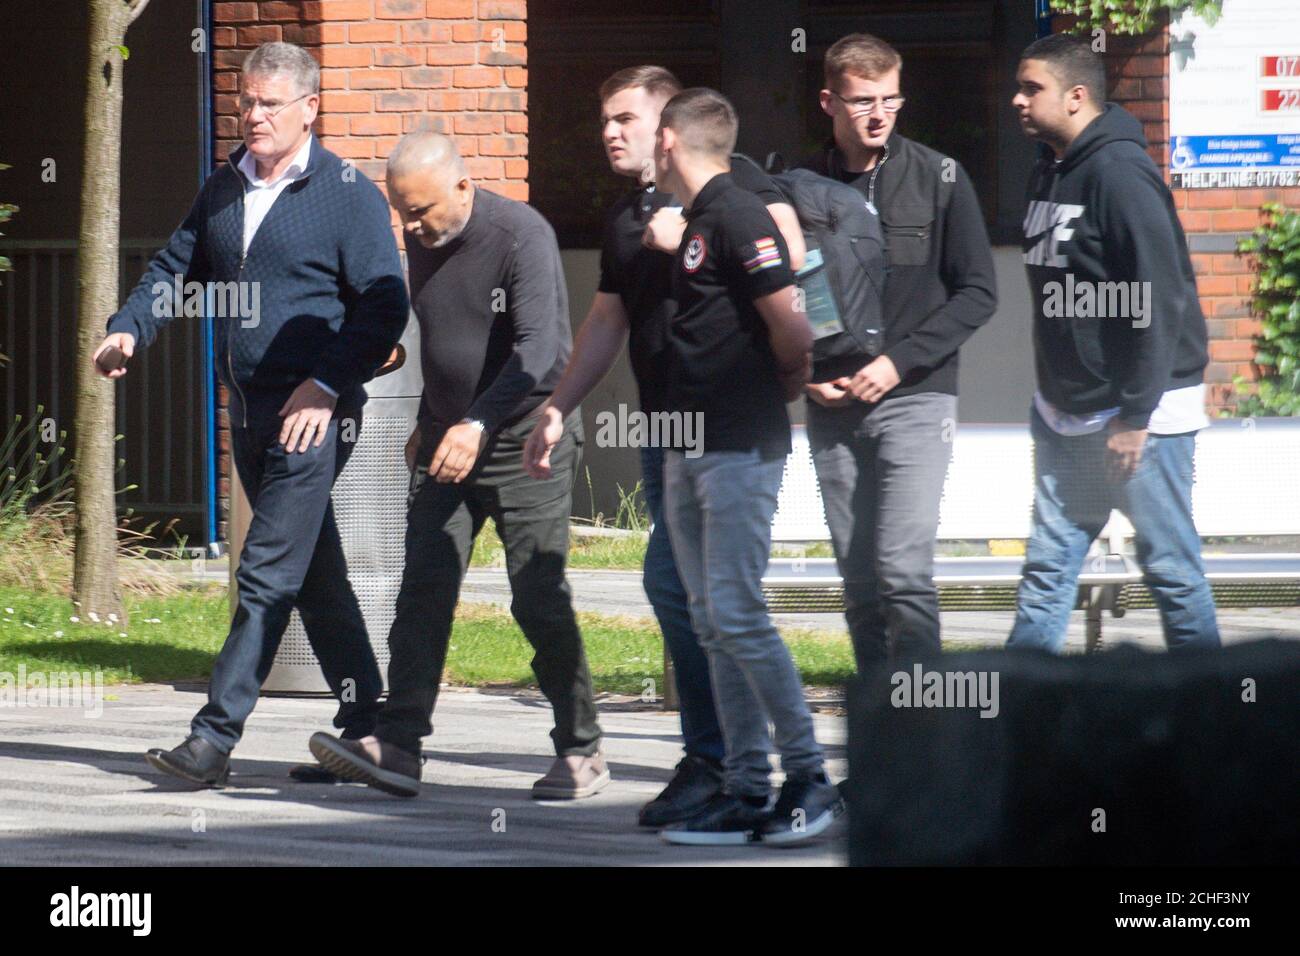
{"points": [[494, 318], [488, 290]]}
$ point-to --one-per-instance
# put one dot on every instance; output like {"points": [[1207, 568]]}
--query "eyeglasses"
{"points": [[271, 108], [867, 104]]}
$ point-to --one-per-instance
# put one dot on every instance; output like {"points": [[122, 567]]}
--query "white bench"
{"points": [[1247, 483]]}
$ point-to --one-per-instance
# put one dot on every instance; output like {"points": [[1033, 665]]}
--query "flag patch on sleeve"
{"points": [[766, 255]]}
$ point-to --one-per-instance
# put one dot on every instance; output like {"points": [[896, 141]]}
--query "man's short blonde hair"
{"points": [[655, 80], [862, 55]]}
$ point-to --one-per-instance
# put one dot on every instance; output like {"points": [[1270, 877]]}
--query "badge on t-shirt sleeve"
{"points": [[761, 254], [693, 258]]}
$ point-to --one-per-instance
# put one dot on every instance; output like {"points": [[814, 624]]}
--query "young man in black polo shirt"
{"points": [[635, 296], [880, 427], [738, 351]]}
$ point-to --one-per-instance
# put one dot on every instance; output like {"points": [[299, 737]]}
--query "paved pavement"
{"points": [[74, 789]]}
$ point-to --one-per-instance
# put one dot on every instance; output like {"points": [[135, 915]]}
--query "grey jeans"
{"points": [[719, 510], [881, 470]]}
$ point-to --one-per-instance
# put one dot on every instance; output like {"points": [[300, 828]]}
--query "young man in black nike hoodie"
{"points": [[1120, 349]]}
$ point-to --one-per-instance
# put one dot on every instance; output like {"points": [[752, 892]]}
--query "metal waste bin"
{"points": [[370, 508]]}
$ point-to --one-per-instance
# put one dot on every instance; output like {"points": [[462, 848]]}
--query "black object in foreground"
{"points": [[1121, 758]]}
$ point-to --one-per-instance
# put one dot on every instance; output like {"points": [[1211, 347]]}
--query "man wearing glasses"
{"points": [[881, 426], [291, 229]]}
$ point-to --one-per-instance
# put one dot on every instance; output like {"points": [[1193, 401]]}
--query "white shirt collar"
{"points": [[248, 166]]}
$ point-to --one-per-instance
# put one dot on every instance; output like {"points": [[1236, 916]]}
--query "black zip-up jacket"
{"points": [[1099, 217], [940, 286], [331, 299]]}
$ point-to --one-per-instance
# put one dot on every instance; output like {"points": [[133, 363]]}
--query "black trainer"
{"points": [[195, 761], [806, 807], [723, 821], [696, 782]]}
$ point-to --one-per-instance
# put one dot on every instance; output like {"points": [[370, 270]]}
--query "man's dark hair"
{"points": [[704, 120], [1072, 61]]}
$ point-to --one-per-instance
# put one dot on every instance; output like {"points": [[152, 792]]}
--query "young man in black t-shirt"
{"points": [[738, 351], [635, 301]]}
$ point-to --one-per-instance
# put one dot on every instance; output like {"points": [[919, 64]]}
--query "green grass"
{"points": [[189, 630], [623, 653], [487, 647], [614, 552], [601, 552]]}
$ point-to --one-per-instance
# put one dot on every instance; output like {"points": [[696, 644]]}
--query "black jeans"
{"points": [[292, 557], [532, 519]]}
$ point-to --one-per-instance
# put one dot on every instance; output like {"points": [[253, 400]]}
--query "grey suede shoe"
{"points": [[572, 778]]}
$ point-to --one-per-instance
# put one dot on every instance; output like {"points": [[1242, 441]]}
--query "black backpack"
{"points": [[843, 277]]}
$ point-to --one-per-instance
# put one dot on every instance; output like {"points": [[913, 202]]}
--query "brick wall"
{"points": [[1214, 219], [389, 67]]}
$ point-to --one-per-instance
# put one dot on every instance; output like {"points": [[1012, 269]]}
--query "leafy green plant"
{"points": [[1132, 17], [630, 515], [1275, 248]]}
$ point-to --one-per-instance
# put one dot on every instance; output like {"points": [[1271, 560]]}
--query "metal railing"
{"points": [[160, 405]]}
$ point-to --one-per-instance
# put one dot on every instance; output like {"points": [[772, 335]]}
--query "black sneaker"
{"points": [[696, 782], [806, 807], [723, 821]]}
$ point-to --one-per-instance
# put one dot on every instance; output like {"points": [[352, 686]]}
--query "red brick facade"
{"points": [[389, 67], [1138, 74]]}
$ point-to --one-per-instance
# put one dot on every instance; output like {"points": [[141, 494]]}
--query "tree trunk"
{"points": [[94, 581]]}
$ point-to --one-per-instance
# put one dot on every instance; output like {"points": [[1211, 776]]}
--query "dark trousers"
{"points": [[532, 519], [701, 733], [292, 557], [881, 469]]}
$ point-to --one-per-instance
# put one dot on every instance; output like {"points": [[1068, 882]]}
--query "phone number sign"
{"points": [[1234, 97]]}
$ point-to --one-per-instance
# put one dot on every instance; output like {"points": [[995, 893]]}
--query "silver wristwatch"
{"points": [[475, 422]]}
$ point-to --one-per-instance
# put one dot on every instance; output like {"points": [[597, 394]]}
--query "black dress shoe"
{"points": [[312, 773], [696, 782], [195, 761]]}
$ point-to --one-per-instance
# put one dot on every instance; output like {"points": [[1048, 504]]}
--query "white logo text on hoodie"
{"points": [[1049, 224]]}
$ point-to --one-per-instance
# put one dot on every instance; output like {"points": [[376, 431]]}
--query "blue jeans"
{"points": [[1072, 502], [701, 734], [719, 509]]}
